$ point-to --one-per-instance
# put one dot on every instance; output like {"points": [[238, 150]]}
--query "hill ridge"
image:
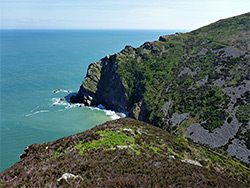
{"points": [[194, 84]]}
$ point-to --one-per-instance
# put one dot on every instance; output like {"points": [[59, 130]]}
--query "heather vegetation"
{"points": [[126, 153]]}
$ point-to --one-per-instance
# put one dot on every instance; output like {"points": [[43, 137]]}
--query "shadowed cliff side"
{"points": [[102, 85]]}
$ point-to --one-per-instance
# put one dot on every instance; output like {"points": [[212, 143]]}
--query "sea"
{"points": [[38, 67]]}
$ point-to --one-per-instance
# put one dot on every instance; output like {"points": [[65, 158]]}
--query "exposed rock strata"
{"points": [[239, 150], [218, 137]]}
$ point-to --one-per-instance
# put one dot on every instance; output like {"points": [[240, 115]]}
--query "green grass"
{"points": [[109, 140], [58, 152]]}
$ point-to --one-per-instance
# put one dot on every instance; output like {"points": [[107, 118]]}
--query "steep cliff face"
{"points": [[194, 84], [123, 153], [103, 85]]}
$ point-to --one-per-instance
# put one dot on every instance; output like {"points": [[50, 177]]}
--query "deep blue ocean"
{"points": [[34, 63]]}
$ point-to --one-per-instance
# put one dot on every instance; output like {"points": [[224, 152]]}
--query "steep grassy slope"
{"points": [[125, 153], [195, 84]]}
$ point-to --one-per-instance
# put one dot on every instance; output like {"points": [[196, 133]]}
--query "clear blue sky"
{"points": [[117, 14]]}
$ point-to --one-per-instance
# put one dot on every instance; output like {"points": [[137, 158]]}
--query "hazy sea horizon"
{"points": [[34, 63]]}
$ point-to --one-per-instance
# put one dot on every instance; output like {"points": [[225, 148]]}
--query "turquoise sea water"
{"points": [[36, 62]]}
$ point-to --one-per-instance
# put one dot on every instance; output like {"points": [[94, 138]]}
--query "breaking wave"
{"points": [[61, 90], [37, 112]]}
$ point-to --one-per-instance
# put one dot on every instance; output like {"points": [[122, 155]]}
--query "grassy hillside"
{"points": [[125, 153]]}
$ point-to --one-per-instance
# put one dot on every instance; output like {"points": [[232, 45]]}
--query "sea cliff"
{"points": [[194, 84]]}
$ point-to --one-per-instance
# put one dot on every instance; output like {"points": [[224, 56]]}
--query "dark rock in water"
{"points": [[62, 99], [57, 90]]}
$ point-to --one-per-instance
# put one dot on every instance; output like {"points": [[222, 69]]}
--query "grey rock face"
{"points": [[202, 81], [227, 52], [203, 51], [178, 118], [236, 92], [219, 137], [248, 127], [166, 107], [219, 82], [188, 71], [239, 150]]}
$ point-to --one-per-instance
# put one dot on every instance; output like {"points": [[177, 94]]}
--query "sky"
{"points": [[117, 14]]}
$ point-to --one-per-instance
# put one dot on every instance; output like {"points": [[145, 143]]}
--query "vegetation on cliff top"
{"points": [[157, 67]]}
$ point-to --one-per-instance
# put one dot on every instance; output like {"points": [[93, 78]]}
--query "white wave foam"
{"points": [[37, 112], [66, 91], [34, 109], [58, 101], [61, 90], [112, 114]]}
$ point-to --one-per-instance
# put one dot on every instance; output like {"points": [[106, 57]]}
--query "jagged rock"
{"points": [[177, 119], [191, 162], [188, 71], [203, 81], [203, 51], [108, 91], [219, 82], [138, 110], [229, 52], [128, 130], [166, 106], [239, 150], [25, 153]]}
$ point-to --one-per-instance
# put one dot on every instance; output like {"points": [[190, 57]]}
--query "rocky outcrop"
{"points": [[229, 52], [138, 111], [239, 150], [218, 137], [102, 85], [188, 71]]}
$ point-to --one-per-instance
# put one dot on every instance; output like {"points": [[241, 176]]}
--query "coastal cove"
{"points": [[34, 63]]}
